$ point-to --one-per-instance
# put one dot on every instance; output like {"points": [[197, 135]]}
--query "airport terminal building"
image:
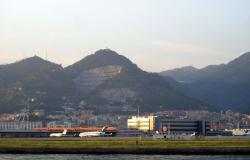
{"points": [[182, 126], [162, 125]]}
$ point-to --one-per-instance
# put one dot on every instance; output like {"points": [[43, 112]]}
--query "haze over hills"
{"points": [[182, 75], [226, 86], [106, 81]]}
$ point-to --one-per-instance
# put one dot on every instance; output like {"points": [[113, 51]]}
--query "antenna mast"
{"points": [[25, 114], [138, 110]]}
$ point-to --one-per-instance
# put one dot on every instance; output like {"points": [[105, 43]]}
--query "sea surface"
{"points": [[116, 157]]}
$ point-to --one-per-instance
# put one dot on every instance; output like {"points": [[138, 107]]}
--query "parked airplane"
{"points": [[239, 132], [193, 134], [247, 132], [94, 133], [63, 134]]}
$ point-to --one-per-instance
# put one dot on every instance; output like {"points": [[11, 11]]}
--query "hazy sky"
{"points": [[155, 34]]}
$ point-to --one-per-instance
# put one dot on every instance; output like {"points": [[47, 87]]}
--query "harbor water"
{"points": [[117, 157]]}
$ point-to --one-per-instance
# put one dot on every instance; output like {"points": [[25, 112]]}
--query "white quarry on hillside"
{"points": [[90, 79]]}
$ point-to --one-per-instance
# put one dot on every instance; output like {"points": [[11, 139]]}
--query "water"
{"points": [[116, 157]]}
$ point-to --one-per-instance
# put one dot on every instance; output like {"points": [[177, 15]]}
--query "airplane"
{"points": [[94, 133], [193, 134], [63, 134], [239, 132], [247, 132]]}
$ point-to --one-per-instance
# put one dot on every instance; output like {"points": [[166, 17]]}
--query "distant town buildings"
{"points": [[82, 117]]}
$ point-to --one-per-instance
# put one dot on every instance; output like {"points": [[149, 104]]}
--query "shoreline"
{"points": [[145, 151]]}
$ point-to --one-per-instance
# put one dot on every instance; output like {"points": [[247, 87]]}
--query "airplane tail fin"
{"points": [[104, 128], [64, 132]]}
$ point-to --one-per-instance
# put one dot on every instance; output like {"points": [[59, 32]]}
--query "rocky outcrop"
{"points": [[88, 80]]}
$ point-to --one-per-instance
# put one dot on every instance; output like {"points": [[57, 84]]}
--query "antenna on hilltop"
{"points": [[138, 110]]}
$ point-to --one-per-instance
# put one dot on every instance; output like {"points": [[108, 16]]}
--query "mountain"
{"points": [[182, 75], [105, 81], [32, 78], [190, 74], [226, 86], [109, 79], [25, 68]]}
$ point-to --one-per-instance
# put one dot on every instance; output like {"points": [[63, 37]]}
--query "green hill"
{"points": [[106, 81], [32, 78]]}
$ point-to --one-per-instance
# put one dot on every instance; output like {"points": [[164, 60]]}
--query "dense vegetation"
{"points": [[52, 86]]}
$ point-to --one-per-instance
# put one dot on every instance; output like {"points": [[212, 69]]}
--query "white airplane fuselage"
{"points": [[239, 132], [58, 134], [92, 134]]}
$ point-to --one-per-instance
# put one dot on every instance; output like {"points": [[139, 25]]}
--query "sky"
{"points": [[155, 34]]}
